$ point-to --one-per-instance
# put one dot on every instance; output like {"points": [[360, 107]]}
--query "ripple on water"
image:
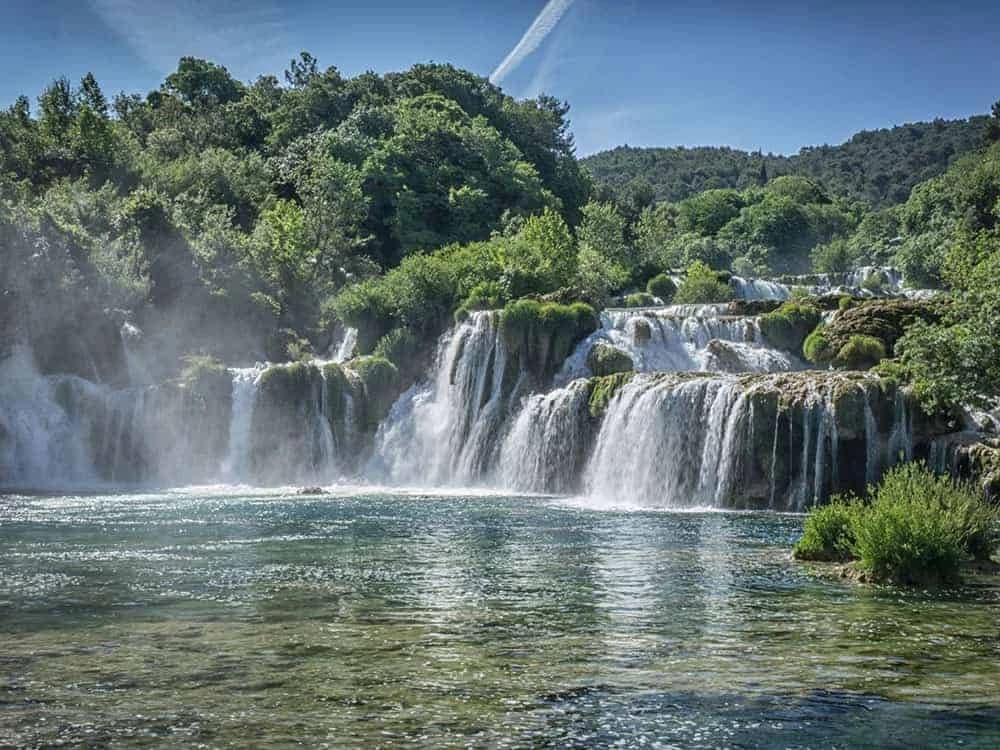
{"points": [[429, 619]]}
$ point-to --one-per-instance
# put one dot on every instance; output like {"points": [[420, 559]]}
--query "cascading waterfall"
{"points": [[713, 416], [545, 448], [757, 289], [241, 424], [446, 432], [663, 340]]}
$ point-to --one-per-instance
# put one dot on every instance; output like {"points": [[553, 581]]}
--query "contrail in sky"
{"points": [[540, 28]]}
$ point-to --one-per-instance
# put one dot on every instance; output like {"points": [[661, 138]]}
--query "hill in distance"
{"points": [[877, 166]]}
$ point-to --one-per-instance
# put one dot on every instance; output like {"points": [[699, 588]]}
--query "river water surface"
{"points": [[221, 618]]}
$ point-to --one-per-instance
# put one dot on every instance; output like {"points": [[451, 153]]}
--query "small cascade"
{"points": [[661, 341], [39, 440], [757, 289], [234, 468], [544, 450], [447, 431], [345, 350]]}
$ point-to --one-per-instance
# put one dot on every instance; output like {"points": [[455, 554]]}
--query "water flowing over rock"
{"points": [[775, 441], [713, 416], [681, 338], [445, 431]]}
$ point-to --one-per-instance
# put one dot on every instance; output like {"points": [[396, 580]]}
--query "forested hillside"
{"points": [[227, 215], [877, 166]]}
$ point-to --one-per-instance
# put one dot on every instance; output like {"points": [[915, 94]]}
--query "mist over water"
{"points": [[698, 425]]}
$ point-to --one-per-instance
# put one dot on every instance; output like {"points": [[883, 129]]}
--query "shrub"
{"points": [[662, 286], [702, 286], [921, 526], [788, 326], [485, 295], [640, 299], [608, 360], [828, 533], [816, 347], [860, 353], [845, 303]]}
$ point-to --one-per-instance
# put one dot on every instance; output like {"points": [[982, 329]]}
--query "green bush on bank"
{"points": [[828, 533], [917, 528]]}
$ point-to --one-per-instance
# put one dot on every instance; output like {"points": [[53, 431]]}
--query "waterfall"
{"points": [[756, 289], [347, 345], [545, 447], [447, 431], [39, 442], [663, 341], [675, 441], [235, 467]]}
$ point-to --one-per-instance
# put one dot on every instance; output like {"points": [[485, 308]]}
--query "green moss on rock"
{"points": [[604, 359], [603, 389], [540, 335], [788, 326], [382, 385]]}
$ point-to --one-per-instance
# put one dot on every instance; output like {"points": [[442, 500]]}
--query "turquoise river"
{"points": [[229, 618]]}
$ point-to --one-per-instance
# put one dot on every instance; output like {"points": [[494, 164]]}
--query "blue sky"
{"points": [[777, 75]]}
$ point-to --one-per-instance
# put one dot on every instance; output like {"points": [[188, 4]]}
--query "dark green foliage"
{"points": [[219, 213], [788, 326], [828, 532], [701, 285], [878, 166], [608, 360], [206, 376], [860, 353], [486, 295], [662, 286], [603, 389], [541, 335], [639, 299]]}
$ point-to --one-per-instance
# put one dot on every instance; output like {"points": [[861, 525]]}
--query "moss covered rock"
{"points": [[605, 359], [540, 335], [603, 389], [788, 326], [882, 320], [381, 384]]}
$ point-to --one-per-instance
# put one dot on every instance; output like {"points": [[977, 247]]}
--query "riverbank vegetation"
{"points": [[913, 528]]}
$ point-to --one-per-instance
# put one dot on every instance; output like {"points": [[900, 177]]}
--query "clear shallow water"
{"points": [[381, 620]]}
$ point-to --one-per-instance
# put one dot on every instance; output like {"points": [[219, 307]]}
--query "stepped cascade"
{"points": [[698, 409]]}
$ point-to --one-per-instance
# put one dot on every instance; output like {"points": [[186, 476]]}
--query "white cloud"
{"points": [[243, 36], [540, 28]]}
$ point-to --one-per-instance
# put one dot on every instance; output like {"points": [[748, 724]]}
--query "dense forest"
{"points": [[259, 220], [877, 166]]}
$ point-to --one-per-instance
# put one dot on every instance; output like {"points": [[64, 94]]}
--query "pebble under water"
{"points": [[222, 618]]}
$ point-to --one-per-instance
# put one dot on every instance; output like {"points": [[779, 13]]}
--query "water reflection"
{"points": [[455, 621]]}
